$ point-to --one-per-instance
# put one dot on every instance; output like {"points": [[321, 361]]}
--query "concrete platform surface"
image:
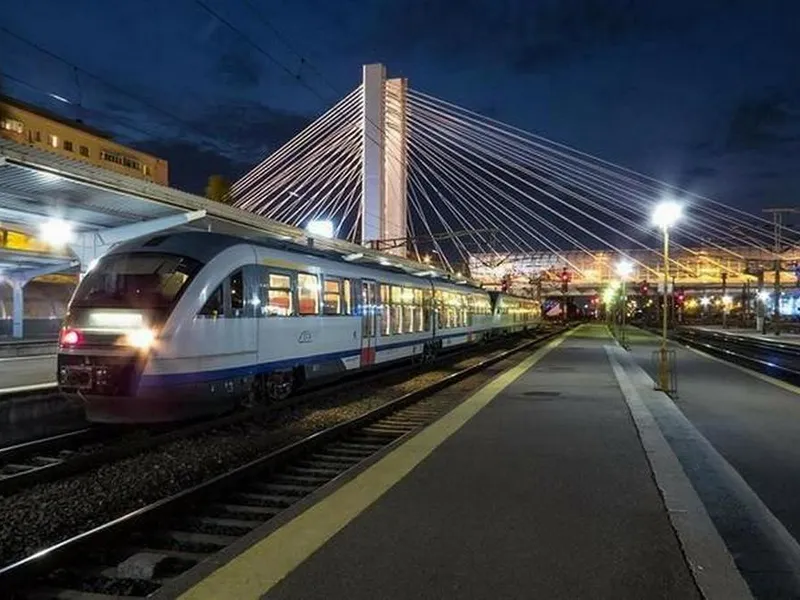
{"points": [[753, 422], [546, 492], [20, 371]]}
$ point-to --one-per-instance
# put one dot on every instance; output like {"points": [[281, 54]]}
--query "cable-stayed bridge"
{"points": [[403, 171]]}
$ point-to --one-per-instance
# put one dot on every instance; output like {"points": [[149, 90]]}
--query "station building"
{"points": [[33, 126]]}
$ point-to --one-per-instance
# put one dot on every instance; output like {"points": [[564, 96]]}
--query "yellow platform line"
{"points": [[259, 568]]}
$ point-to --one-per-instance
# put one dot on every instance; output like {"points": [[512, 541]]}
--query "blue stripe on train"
{"points": [[247, 370]]}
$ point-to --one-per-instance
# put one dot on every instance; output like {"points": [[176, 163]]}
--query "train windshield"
{"points": [[139, 280]]}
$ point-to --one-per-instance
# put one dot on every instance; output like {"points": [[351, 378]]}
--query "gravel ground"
{"points": [[44, 515]]}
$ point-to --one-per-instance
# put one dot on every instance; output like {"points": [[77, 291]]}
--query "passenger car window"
{"points": [[214, 306], [237, 294], [279, 296], [308, 294], [332, 297]]}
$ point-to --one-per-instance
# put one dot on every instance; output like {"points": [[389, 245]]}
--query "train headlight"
{"points": [[140, 338]]}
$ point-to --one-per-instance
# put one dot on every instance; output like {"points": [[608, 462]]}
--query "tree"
{"points": [[218, 189], [2, 108]]}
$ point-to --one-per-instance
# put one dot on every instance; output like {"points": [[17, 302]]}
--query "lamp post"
{"points": [[624, 269], [664, 217]]}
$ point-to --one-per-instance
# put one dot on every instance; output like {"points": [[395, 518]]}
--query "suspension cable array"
{"points": [[480, 187]]}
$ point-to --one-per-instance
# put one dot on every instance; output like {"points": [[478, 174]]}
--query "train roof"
{"points": [[205, 245]]}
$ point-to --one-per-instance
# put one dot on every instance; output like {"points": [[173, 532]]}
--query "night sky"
{"points": [[701, 93]]}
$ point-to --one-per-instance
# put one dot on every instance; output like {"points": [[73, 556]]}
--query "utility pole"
{"points": [[777, 223], [724, 300], [776, 316]]}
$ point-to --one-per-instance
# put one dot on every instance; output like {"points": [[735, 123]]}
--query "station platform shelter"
{"points": [[566, 476]]}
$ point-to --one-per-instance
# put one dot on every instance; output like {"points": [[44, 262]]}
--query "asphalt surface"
{"points": [[755, 426], [545, 493], [27, 370]]}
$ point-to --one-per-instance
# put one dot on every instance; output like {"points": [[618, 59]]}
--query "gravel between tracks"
{"points": [[44, 515]]}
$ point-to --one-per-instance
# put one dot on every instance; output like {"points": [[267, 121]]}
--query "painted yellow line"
{"points": [[263, 565]]}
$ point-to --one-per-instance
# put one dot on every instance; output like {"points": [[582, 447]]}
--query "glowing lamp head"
{"points": [[321, 228], [705, 301], [70, 337], [624, 268], [667, 214], [140, 338], [763, 295], [56, 232]]}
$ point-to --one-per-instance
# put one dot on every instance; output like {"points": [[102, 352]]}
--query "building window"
{"points": [[38, 136], [52, 140], [84, 151], [120, 159], [68, 146], [12, 125], [146, 170]]}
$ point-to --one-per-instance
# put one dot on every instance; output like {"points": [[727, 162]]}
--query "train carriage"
{"points": [[182, 324]]}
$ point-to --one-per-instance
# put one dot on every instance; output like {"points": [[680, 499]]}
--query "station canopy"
{"points": [[37, 186]]}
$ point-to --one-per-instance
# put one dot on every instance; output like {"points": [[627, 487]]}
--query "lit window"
{"points": [[348, 306], [146, 170], [279, 296], [67, 145], [52, 140], [12, 125], [84, 151], [332, 297], [308, 294]]}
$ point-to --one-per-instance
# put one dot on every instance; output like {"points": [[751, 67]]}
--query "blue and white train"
{"points": [[172, 326]]}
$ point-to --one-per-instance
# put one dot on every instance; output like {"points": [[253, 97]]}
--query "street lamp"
{"points": [[665, 216], [624, 269]]}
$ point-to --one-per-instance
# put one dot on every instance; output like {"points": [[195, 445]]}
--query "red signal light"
{"points": [[70, 337]]}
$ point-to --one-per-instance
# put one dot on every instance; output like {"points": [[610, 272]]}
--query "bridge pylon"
{"points": [[384, 204]]}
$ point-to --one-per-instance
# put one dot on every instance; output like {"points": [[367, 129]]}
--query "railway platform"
{"points": [[26, 373], [553, 481]]}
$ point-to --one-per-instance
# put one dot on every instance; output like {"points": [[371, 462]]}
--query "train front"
{"points": [[114, 324]]}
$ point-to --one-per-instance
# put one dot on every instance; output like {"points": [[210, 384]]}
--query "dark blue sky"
{"points": [[704, 94]]}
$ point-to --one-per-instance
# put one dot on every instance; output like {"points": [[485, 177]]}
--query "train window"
{"points": [[308, 294], [237, 294], [332, 297], [386, 317], [279, 296], [427, 308], [348, 303], [214, 306], [408, 310]]}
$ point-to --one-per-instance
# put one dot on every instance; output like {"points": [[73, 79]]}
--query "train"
{"points": [[179, 325]]}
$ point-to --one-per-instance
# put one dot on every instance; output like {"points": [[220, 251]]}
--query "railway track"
{"points": [[139, 553], [774, 358], [56, 457]]}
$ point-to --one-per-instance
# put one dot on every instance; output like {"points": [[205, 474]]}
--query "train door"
{"points": [[369, 324]]}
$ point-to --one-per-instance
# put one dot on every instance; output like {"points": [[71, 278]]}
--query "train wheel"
{"points": [[256, 395], [279, 385]]}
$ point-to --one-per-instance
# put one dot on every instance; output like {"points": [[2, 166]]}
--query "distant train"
{"points": [[178, 325]]}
